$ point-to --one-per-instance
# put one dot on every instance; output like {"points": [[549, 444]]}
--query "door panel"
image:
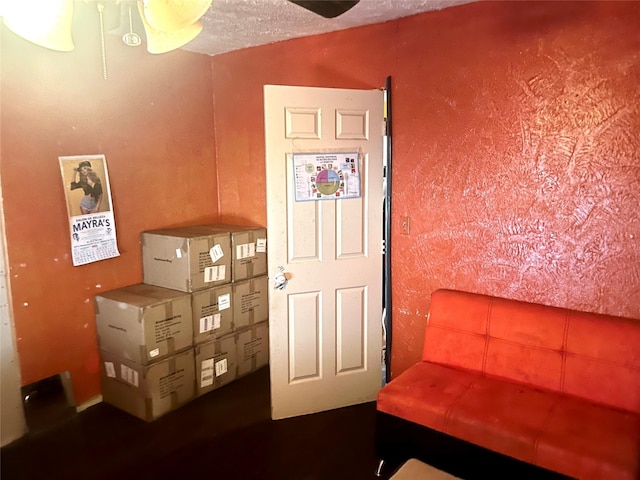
{"points": [[304, 336], [352, 124], [351, 229], [325, 325], [351, 330], [304, 220], [302, 123]]}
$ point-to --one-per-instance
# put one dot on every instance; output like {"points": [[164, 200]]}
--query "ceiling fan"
{"points": [[327, 8], [168, 24]]}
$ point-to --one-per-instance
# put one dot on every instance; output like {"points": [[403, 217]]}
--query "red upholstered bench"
{"points": [[552, 387]]}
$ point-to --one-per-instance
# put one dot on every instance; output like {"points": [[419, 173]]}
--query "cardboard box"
{"points": [[187, 258], [144, 323], [250, 302], [248, 250], [252, 345], [148, 392], [212, 313], [216, 363]]}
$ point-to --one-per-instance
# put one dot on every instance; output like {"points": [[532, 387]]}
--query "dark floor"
{"points": [[226, 435]]}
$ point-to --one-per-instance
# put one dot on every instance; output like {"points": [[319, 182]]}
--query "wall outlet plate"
{"points": [[405, 225]]}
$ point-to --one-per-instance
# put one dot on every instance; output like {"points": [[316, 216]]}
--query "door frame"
{"points": [[375, 316], [387, 230]]}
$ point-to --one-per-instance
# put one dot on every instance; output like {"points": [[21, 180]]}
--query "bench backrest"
{"points": [[593, 356]]}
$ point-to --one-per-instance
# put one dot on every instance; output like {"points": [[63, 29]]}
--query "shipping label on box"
{"points": [[252, 345], [248, 250], [250, 302], [144, 323], [187, 258], [216, 363], [212, 313], [151, 391]]}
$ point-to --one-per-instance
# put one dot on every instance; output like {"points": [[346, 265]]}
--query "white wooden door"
{"points": [[325, 325]]}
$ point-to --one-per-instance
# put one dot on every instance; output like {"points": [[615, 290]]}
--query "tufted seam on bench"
{"points": [[564, 351], [487, 337], [502, 340], [565, 341], [447, 416], [634, 368], [545, 425]]}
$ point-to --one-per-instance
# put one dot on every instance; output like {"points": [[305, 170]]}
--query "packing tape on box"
{"points": [[252, 285], [252, 239], [173, 394], [249, 268], [213, 300], [175, 401], [168, 315], [254, 359], [168, 309], [217, 349], [184, 248], [211, 242]]}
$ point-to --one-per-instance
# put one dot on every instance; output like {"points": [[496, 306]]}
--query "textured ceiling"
{"points": [[235, 24]]}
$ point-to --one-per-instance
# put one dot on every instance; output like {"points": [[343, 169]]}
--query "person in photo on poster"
{"points": [[86, 179]]}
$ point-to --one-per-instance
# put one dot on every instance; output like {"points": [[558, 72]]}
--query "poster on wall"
{"points": [[326, 176], [92, 228]]}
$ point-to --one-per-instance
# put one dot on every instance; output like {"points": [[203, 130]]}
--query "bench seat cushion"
{"points": [[548, 429]]}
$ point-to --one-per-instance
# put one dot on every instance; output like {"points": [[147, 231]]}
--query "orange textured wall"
{"points": [[516, 140], [153, 119]]}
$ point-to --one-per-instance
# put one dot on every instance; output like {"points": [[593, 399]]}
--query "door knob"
{"points": [[280, 281]]}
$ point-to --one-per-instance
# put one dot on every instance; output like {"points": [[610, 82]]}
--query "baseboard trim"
{"points": [[89, 403]]}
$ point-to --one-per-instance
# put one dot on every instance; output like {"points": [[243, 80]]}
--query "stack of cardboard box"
{"points": [[198, 322]]}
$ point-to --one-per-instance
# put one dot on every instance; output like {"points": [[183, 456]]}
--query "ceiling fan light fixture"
{"points": [[169, 15], [46, 23], [160, 41]]}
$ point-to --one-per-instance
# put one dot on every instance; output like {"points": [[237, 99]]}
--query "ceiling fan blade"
{"points": [[170, 15], [326, 8]]}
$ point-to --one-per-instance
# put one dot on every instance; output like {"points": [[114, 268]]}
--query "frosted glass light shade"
{"points": [[160, 41], [169, 15], [44, 22]]}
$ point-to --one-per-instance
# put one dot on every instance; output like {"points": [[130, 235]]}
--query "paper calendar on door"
{"points": [[326, 176]]}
